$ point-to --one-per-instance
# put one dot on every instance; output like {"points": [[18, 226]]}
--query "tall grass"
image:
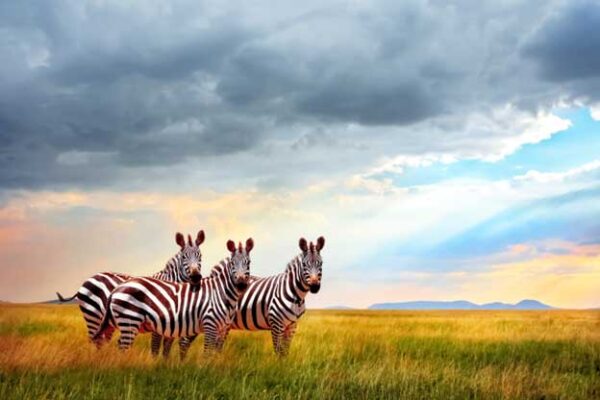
{"points": [[44, 353]]}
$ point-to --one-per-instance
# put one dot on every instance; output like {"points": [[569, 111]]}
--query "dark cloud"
{"points": [[567, 46], [98, 94], [254, 76], [359, 100]]}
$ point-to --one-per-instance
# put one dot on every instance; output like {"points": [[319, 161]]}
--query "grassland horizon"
{"points": [[44, 353]]}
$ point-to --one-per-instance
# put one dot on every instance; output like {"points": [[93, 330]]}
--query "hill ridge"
{"points": [[525, 304]]}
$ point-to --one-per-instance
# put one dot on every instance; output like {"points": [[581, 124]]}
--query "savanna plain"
{"points": [[44, 354]]}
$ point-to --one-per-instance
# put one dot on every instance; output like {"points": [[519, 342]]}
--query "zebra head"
{"points": [[240, 263], [190, 257], [312, 264]]}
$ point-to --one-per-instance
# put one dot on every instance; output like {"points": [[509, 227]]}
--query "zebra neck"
{"points": [[218, 268], [227, 288], [294, 283], [171, 272]]}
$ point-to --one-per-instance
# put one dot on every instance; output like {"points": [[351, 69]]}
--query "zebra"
{"points": [[276, 303], [93, 294], [178, 310]]}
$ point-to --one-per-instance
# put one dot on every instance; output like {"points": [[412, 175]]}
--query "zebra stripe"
{"points": [[174, 272], [177, 310], [276, 303], [93, 294]]}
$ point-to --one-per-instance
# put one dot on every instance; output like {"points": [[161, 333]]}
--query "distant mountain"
{"points": [[460, 305], [496, 306], [338, 308], [532, 305]]}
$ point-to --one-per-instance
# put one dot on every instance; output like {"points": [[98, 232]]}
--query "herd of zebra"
{"points": [[178, 302]]}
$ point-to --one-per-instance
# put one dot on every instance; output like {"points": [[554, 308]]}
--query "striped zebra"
{"points": [[276, 303], [178, 310], [93, 294]]}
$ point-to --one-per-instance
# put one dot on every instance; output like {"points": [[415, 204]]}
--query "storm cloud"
{"points": [[104, 93], [567, 46]]}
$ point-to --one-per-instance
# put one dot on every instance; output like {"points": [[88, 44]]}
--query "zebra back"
{"points": [[93, 295], [175, 309]]}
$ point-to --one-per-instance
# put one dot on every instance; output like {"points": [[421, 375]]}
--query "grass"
{"points": [[44, 354]]}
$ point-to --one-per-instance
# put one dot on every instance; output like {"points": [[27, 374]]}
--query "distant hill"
{"points": [[460, 305], [338, 308]]}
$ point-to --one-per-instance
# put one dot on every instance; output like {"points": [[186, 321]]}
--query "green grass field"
{"points": [[44, 353]]}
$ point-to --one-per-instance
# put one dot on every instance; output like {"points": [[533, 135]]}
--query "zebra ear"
{"points": [[320, 243], [231, 246], [249, 245], [303, 245], [180, 240], [200, 238]]}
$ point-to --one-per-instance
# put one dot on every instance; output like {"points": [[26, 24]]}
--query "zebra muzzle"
{"points": [[195, 277], [314, 284], [242, 285], [241, 281], [314, 288]]}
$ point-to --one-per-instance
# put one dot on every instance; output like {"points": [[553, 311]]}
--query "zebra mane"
{"points": [[219, 268], [171, 264], [170, 271], [296, 261]]}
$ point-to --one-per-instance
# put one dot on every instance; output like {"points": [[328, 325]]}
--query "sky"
{"points": [[445, 149]]}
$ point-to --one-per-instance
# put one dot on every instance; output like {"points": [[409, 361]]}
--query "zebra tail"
{"points": [[63, 300], [104, 325]]}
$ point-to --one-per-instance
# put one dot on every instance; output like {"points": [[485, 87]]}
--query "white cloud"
{"points": [[399, 163], [495, 134], [595, 112], [548, 177], [488, 136], [529, 130]]}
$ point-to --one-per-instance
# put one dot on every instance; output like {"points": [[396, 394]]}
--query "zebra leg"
{"points": [[221, 343], [167, 343], [276, 332], [210, 340], [184, 345], [128, 334], [277, 336], [93, 319], [156, 340], [222, 336], [105, 338], [286, 340], [108, 334]]}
